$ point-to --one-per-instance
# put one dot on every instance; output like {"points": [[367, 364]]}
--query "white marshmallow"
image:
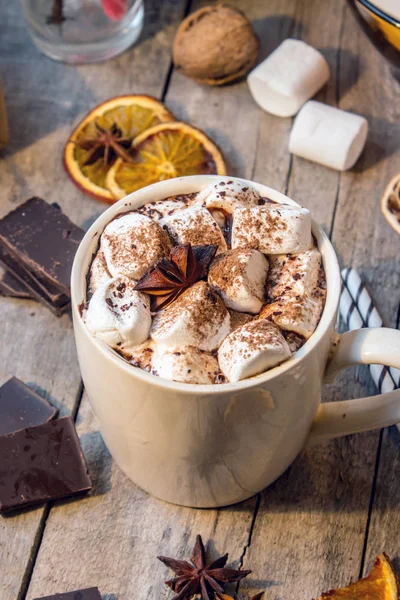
{"points": [[117, 314], [185, 364], [197, 318], [228, 193], [132, 244], [196, 226], [290, 76], [252, 349], [99, 272], [164, 208], [239, 277], [328, 135], [272, 228], [296, 292]]}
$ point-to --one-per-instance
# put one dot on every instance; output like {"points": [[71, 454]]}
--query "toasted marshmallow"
{"points": [[196, 226], [165, 208], [197, 318], [117, 314], [252, 349], [295, 292], [185, 364], [272, 228], [228, 193], [132, 244], [239, 277], [99, 272]]}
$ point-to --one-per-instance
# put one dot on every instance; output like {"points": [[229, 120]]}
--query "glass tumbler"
{"points": [[82, 31]]}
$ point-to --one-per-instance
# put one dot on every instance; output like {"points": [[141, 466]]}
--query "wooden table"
{"points": [[328, 516]]}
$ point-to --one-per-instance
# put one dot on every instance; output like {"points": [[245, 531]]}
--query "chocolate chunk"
{"points": [[42, 239], [21, 407], [41, 463], [58, 303], [86, 594], [13, 288]]}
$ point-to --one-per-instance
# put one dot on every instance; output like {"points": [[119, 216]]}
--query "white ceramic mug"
{"points": [[213, 445]]}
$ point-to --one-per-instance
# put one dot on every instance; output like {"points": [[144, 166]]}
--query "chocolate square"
{"points": [[41, 463], [41, 238], [86, 594], [21, 407], [53, 299], [11, 287]]}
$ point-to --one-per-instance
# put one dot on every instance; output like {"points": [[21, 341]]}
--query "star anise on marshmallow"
{"points": [[197, 577], [171, 276]]}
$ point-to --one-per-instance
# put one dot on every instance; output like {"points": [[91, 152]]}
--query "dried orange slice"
{"points": [[163, 152], [380, 584], [127, 117]]}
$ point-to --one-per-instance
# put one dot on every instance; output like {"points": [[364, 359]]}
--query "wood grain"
{"points": [[45, 100], [306, 533]]}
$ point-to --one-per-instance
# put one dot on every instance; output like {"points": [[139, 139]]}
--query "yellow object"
{"points": [[386, 27], [163, 152], [380, 584], [4, 134], [132, 115]]}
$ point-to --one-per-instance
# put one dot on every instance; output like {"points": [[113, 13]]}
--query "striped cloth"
{"points": [[357, 311]]}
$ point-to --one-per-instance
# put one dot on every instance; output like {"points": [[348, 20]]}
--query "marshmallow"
{"points": [[132, 244], [196, 226], [164, 208], [289, 77], [272, 228], [328, 135], [99, 272], [197, 318], [228, 193], [295, 292], [252, 349], [239, 277], [185, 364], [117, 314]]}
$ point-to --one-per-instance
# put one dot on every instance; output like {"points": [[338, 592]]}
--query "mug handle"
{"points": [[360, 347]]}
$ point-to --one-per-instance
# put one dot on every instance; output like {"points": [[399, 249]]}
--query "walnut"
{"points": [[215, 45]]}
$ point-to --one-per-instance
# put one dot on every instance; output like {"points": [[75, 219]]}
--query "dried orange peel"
{"points": [[162, 152], [381, 584], [132, 115]]}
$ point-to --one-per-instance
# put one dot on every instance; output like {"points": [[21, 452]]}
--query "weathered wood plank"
{"points": [[385, 522], [310, 529], [44, 100]]}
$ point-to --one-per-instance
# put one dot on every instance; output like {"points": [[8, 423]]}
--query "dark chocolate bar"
{"points": [[10, 286], [86, 594], [21, 407], [58, 303], [41, 238], [41, 463]]}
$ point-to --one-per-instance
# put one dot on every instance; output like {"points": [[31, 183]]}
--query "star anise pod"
{"points": [[172, 276], [199, 578], [258, 596], [107, 144]]}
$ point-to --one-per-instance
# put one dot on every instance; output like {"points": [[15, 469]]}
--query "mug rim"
{"points": [[185, 185]]}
